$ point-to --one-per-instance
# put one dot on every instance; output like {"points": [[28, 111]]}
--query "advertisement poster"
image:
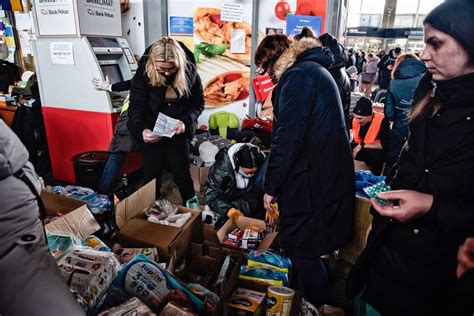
{"points": [[222, 47], [295, 23]]}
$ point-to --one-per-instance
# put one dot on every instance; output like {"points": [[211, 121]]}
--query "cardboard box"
{"points": [[199, 176], [76, 221], [136, 231], [244, 222], [210, 235], [362, 220]]}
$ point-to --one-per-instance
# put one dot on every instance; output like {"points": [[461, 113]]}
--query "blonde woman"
{"points": [[166, 82]]}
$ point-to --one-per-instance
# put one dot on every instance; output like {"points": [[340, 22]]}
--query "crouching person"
{"points": [[236, 180]]}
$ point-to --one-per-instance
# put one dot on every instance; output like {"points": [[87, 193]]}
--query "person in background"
{"points": [[385, 66], [166, 82], [409, 264], [406, 75], [371, 134], [310, 170], [31, 283], [122, 141], [361, 62], [232, 181], [369, 75], [351, 60], [381, 54]]}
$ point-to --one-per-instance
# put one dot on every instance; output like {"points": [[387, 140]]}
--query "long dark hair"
{"points": [[248, 157], [271, 47]]}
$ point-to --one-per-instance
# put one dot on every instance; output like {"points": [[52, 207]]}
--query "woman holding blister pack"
{"points": [[166, 83], [409, 264]]}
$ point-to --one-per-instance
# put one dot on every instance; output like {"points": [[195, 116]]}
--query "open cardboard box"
{"points": [[245, 222], [199, 176], [76, 221], [136, 231]]}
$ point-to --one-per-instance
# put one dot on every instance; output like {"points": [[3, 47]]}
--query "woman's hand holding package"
{"points": [[179, 128], [411, 204], [267, 201], [149, 138]]}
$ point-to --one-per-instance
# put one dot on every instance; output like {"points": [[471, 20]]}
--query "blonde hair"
{"points": [[168, 50]]}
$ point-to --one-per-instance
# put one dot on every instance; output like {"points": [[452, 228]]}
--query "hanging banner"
{"points": [[55, 17], [222, 41]]}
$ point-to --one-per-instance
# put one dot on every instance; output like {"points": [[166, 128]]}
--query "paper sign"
{"points": [[295, 23], [237, 41], [25, 43], [61, 53], [2, 14], [181, 25], [164, 125], [51, 14], [23, 21], [232, 12]]}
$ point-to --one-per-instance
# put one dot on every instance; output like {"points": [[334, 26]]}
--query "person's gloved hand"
{"points": [[100, 84]]}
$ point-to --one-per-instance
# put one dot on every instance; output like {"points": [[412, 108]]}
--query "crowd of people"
{"points": [[419, 254]]}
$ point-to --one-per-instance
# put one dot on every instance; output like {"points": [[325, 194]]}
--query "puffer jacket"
{"points": [[400, 95], [221, 192], [338, 71], [310, 167], [31, 283]]}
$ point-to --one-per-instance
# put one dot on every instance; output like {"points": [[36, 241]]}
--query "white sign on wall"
{"points": [[55, 17], [61, 53], [100, 17]]}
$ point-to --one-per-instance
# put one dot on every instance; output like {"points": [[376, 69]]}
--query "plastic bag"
{"points": [[146, 280], [166, 207], [94, 243], [60, 244], [88, 273], [177, 220], [270, 260]]}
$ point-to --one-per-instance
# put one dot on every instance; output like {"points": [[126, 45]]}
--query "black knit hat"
{"points": [[455, 18], [363, 107]]}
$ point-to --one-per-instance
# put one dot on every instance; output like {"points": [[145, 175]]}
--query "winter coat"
{"points": [[221, 192], [338, 71], [400, 94], [310, 166], [385, 73], [27, 270], [146, 102], [415, 262]]}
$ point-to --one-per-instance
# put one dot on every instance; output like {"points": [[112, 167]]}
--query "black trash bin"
{"points": [[88, 168]]}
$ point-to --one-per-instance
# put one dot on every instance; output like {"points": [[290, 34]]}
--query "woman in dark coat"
{"points": [[231, 182], [166, 82], [406, 74], [310, 169], [410, 259]]}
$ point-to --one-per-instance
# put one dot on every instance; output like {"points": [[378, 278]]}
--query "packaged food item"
{"points": [[94, 243], [263, 275], [376, 188], [245, 302], [175, 310], [124, 255], [270, 260], [88, 273], [60, 244], [145, 279], [279, 301], [235, 235], [132, 307], [251, 239]]}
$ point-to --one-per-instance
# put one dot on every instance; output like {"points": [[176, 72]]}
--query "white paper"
{"points": [[55, 17], [164, 125], [237, 41], [61, 53], [232, 12], [23, 21], [25, 43], [2, 14]]}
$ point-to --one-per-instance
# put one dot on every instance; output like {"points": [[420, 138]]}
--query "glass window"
{"points": [[419, 20], [407, 6], [372, 6], [427, 5], [372, 20], [354, 6], [404, 20], [353, 20]]}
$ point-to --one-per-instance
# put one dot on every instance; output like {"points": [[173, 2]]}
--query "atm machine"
{"points": [[76, 41]]}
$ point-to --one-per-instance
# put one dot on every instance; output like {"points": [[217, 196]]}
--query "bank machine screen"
{"points": [[112, 72]]}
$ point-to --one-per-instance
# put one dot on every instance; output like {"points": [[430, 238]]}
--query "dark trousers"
{"points": [[373, 158], [312, 279], [172, 154]]}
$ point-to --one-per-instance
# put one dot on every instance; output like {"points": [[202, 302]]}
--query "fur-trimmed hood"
{"points": [[306, 49]]}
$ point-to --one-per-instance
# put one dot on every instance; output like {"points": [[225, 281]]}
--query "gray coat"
{"points": [[31, 283]]}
